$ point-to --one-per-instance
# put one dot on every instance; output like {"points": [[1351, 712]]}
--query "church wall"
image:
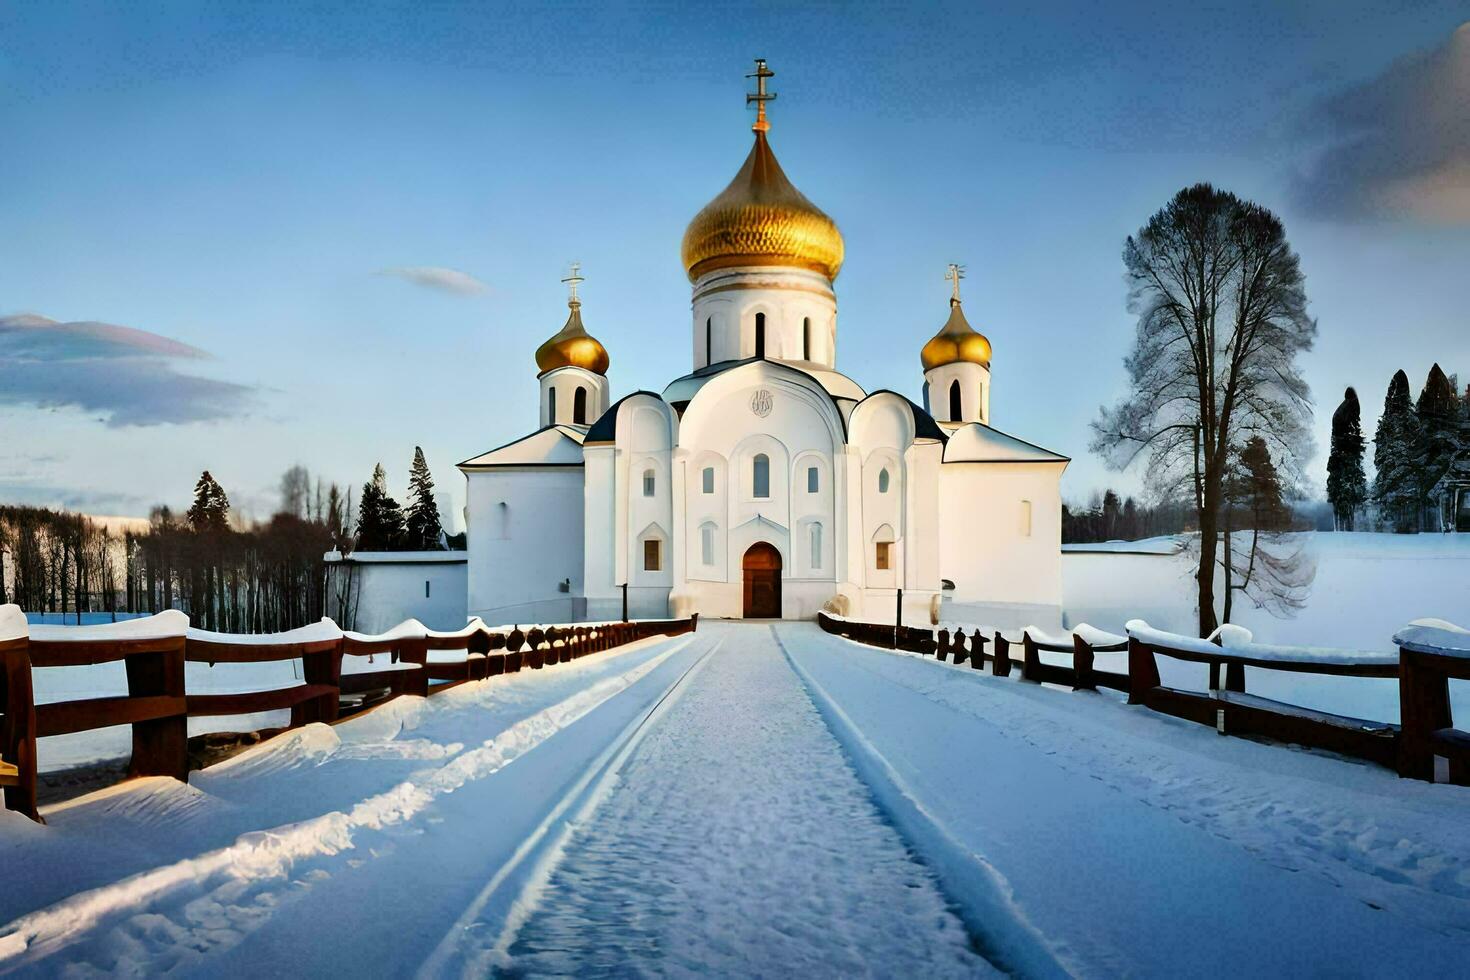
{"points": [[1003, 575], [974, 392], [565, 382], [796, 303], [525, 538]]}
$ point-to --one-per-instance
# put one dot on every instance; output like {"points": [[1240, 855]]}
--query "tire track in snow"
{"points": [[272, 854]]}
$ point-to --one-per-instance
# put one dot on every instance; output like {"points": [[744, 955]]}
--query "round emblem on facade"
{"points": [[761, 402]]}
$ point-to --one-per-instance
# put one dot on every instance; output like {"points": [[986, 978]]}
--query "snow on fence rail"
{"points": [[335, 668], [1431, 652]]}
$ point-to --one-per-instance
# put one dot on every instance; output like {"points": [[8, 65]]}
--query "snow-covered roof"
{"points": [[12, 622], [324, 629], [835, 383], [979, 443], [400, 557], [166, 625], [555, 445]]}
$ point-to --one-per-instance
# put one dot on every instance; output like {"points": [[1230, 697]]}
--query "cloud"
{"points": [[124, 374], [438, 277], [1397, 145]]}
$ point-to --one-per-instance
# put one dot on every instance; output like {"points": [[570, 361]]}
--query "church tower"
{"points": [[957, 367], [762, 259], [573, 369]]}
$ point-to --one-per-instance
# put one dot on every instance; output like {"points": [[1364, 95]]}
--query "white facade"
{"points": [[374, 590], [765, 482]]}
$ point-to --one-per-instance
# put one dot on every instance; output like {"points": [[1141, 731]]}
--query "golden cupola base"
{"points": [[572, 346], [761, 219], [956, 341]]}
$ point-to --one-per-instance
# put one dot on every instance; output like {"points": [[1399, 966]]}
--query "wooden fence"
{"points": [[1431, 653], [158, 705]]}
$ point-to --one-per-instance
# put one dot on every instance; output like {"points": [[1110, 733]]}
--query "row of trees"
{"points": [[227, 574], [1419, 457], [1110, 517]]}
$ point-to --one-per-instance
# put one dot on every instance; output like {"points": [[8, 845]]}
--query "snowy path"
{"points": [[736, 839]]}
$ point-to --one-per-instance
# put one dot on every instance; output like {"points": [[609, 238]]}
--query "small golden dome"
{"points": [[956, 341], [761, 219], [572, 346]]}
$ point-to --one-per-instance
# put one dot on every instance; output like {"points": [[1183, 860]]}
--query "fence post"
{"points": [[977, 649], [161, 745], [1424, 708], [18, 727], [1143, 671], [1001, 665], [321, 667], [1082, 663]]}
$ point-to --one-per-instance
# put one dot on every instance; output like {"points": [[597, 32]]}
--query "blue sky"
{"points": [[259, 183]]}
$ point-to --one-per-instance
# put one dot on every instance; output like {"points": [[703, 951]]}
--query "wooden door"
{"points": [[762, 570]]}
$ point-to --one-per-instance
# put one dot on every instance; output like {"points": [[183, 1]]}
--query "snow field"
{"points": [[1135, 843]]}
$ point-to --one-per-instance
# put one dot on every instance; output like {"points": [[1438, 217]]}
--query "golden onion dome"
{"points": [[572, 346], [956, 341], [761, 219]]}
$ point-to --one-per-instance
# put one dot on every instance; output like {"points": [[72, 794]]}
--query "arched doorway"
{"points": [[762, 569]]}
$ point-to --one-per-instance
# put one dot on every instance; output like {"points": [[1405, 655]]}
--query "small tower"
{"points": [[957, 367], [573, 366]]}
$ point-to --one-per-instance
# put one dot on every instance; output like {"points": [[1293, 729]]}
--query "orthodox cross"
{"points": [[572, 280], [955, 274], [760, 96]]}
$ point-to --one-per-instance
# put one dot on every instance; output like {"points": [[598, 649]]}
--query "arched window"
{"points": [[550, 406], [648, 483], [883, 480], [761, 476], [816, 546], [709, 340], [980, 403], [806, 338], [707, 544], [579, 406], [813, 479], [955, 411], [707, 479], [760, 335]]}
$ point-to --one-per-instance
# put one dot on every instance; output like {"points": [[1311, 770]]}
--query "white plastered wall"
{"points": [[974, 382], [794, 302], [525, 538], [565, 381]]}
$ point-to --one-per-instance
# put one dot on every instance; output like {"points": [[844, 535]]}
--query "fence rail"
{"points": [[1431, 653], [158, 703]]}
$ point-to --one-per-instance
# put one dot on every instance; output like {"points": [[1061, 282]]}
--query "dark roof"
{"points": [[605, 429]]}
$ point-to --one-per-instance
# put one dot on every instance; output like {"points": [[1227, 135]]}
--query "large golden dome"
{"points": [[572, 346], [956, 341], [761, 219]]}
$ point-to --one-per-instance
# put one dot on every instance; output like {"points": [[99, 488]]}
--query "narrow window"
{"points": [[955, 411], [651, 555], [550, 406], [709, 341], [648, 483], [579, 406], [707, 479], [883, 481], [426, 588], [1025, 518], [760, 335], [761, 476], [707, 544], [816, 546], [980, 403], [806, 338], [880, 556], [813, 480]]}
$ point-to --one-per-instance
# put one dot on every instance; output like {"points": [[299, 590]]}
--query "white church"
{"points": [[764, 483]]}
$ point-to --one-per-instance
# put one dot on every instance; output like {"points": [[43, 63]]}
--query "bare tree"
{"points": [[1222, 316], [296, 492]]}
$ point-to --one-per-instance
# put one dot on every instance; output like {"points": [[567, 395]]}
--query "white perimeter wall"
{"points": [[390, 592], [525, 538]]}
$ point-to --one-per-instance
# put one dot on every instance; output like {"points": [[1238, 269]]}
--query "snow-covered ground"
{"points": [[750, 798], [1368, 587]]}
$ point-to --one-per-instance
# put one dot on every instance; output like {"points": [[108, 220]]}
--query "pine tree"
{"points": [[211, 508], [379, 518], [1395, 444], [423, 530], [1347, 487], [1438, 410], [1269, 565]]}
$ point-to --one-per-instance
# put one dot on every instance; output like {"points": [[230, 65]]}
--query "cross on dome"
{"points": [[760, 96], [572, 280], [955, 274]]}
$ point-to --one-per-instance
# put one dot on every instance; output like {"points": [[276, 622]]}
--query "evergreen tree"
{"points": [[211, 508], [1395, 446], [379, 518], [1347, 487], [423, 530], [1438, 410], [1268, 565]]}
